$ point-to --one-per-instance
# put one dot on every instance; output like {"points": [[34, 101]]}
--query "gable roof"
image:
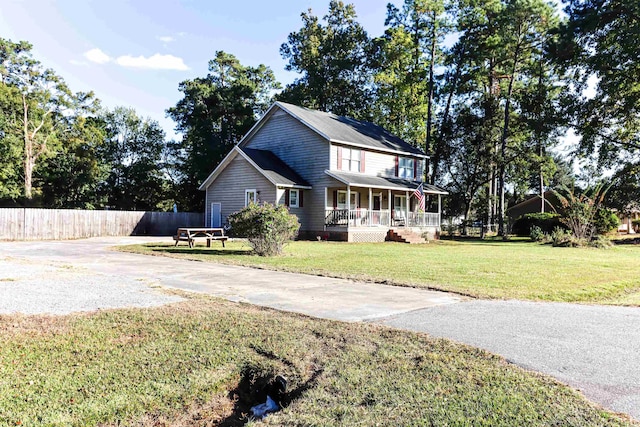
{"points": [[274, 169], [342, 130], [265, 162]]}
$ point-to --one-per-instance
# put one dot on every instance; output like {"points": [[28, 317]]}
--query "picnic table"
{"points": [[190, 235]]}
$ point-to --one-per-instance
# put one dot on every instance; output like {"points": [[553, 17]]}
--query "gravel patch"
{"points": [[28, 287]]}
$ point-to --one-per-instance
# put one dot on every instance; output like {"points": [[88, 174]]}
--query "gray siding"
{"points": [[376, 163], [307, 153], [229, 188]]}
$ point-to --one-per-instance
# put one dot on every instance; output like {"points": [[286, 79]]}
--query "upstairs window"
{"points": [[406, 168], [351, 159]]}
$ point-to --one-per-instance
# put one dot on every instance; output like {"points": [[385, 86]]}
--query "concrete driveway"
{"points": [[313, 295], [595, 349]]}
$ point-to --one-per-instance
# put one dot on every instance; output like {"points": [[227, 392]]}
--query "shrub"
{"points": [[267, 227], [561, 237], [605, 221], [600, 242], [537, 235], [546, 221], [636, 225], [580, 209]]}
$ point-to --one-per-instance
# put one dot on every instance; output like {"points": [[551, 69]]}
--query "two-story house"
{"points": [[344, 179]]}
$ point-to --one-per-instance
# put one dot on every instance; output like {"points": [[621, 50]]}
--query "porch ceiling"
{"points": [[381, 182]]}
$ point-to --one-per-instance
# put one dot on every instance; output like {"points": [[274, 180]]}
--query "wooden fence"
{"points": [[59, 224]]}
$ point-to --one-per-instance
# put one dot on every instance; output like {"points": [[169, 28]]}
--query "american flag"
{"points": [[419, 193]]}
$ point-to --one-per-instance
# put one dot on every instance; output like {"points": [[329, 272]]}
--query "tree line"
{"points": [[487, 88]]}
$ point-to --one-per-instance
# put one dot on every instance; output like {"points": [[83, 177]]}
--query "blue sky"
{"points": [[135, 53]]}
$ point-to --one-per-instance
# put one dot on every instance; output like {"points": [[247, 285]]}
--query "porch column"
{"points": [[348, 206], [439, 209], [326, 200], [406, 219], [390, 209], [369, 213]]}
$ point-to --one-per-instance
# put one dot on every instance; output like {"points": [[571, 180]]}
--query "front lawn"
{"points": [[483, 269], [193, 363]]}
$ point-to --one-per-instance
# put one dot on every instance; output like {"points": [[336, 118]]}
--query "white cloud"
{"points": [[97, 56], [78, 63], [166, 39], [156, 62]]}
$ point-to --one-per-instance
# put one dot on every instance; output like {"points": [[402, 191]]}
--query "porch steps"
{"points": [[405, 236]]}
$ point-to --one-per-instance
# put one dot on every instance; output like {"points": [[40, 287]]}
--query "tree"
{"points": [[11, 182], [213, 115], [624, 191], [72, 177], [132, 150], [601, 48], [580, 209], [332, 59], [44, 100], [405, 81]]}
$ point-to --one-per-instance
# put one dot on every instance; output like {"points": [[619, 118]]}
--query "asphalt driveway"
{"points": [[595, 349]]}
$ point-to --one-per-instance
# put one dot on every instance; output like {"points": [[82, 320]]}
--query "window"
{"points": [[294, 198], [342, 200], [250, 197], [405, 168], [351, 160]]}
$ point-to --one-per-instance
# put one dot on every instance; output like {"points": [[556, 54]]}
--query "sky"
{"points": [[135, 53]]}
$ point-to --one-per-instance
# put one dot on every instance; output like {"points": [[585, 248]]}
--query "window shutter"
{"points": [[397, 166], [300, 193], [286, 197], [359, 201], [339, 158], [415, 169], [335, 199], [362, 161]]}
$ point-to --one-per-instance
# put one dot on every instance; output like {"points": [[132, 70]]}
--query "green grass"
{"points": [[193, 363], [485, 269]]}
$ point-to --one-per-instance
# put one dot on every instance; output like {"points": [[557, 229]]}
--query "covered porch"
{"points": [[371, 202]]}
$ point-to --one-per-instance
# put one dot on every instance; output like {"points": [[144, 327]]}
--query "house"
{"points": [[552, 204], [344, 179], [532, 204], [627, 218]]}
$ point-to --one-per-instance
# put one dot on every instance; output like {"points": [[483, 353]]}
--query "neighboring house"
{"points": [[344, 179], [632, 213], [552, 204], [533, 204]]}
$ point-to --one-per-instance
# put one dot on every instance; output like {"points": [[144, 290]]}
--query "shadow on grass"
{"points": [[199, 251], [492, 240]]}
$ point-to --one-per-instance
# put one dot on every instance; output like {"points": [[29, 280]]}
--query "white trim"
{"points": [[246, 196], [257, 125], [382, 150], [297, 204], [223, 164], [381, 187]]}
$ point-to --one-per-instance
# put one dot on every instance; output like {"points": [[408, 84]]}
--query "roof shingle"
{"points": [[350, 131]]}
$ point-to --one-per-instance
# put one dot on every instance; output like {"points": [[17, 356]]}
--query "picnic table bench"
{"points": [[190, 235]]}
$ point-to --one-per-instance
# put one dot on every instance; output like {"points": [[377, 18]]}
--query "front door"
{"points": [[216, 220], [377, 202]]}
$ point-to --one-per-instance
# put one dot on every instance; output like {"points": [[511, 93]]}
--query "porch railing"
{"points": [[367, 218], [424, 219], [356, 217]]}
